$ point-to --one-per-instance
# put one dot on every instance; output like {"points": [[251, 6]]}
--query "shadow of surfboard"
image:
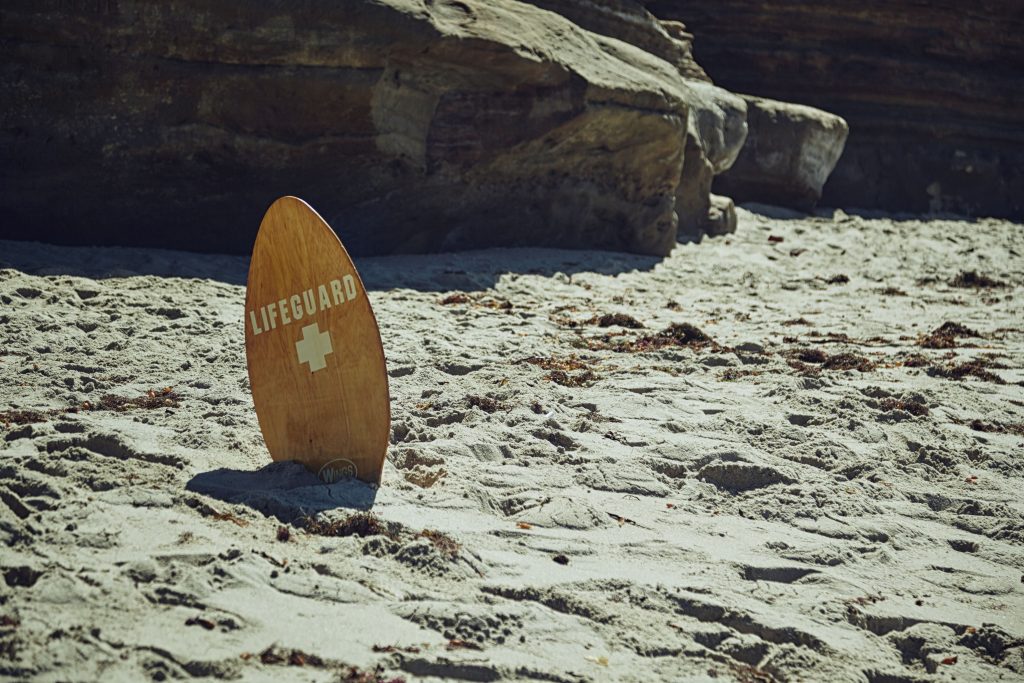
{"points": [[285, 490]]}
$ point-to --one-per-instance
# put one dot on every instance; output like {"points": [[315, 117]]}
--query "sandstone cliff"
{"points": [[410, 126], [932, 91]]}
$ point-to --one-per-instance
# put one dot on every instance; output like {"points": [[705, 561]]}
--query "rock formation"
{"points": [[717, 126], [931, 90], [410, 126], [790, 151]]}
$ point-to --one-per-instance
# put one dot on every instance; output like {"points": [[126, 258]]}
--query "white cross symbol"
{"points": [[313, 347]]}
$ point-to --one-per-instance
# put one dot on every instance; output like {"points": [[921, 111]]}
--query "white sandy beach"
{"points": [[809, 494]]}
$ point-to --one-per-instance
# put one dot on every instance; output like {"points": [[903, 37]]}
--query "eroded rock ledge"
{"points": [[411, 126]]}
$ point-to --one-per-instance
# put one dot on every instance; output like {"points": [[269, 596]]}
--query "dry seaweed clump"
{"points": [[275, 655], [354, 674], [366, 524], [445, 544], [979, 367], [945, 336], [678, 334], [915, 360], [580, 379], [972, 279], [21, 417], [564, 364], [808, 355], [462, 298], [617, 319], [154, 398], [730, 374], [455, 299], [484, 403], [279, 656], [805, 360], [848, 361], [360, 524], [912, 407], [560, 369], [1016, 428]]}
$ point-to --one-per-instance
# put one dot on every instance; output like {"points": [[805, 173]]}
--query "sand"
{"points": [[802, 492]]}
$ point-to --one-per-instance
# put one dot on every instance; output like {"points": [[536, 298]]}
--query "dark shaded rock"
{"points": [[790, 151], [931, 90], [411, 127]]}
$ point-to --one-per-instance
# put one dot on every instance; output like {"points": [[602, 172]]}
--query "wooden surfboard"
{"points": [[316, 364]]}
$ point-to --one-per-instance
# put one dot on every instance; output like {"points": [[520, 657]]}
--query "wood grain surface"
{"points": [[313, 348]]}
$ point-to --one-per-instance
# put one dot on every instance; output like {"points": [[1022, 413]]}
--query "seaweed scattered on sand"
{"points": [[366, 524], [360, 524], [276, 655], [497, 304], [892, 291], [479, 301], [995, 427], [620, 319], [21, 417], [354, 674], [730, 374], [808, 355], [559, 370], [800, 358], [843, 338], [677, 334], [848, 361], [445, 544], [972, 279], [978, 367], [154, 398], [456, 299], [484, 403], [580, 379], [912, 407], [281, 656], [573, 362], [226, 517], [201, 621], [945, 336], [797, 321]]}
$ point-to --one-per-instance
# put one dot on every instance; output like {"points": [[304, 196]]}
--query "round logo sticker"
{"points": [[337, 470]]}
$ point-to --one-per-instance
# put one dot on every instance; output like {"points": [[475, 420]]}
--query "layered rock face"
{"points": [[717, 126], [932, 91], [411, 126]]}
